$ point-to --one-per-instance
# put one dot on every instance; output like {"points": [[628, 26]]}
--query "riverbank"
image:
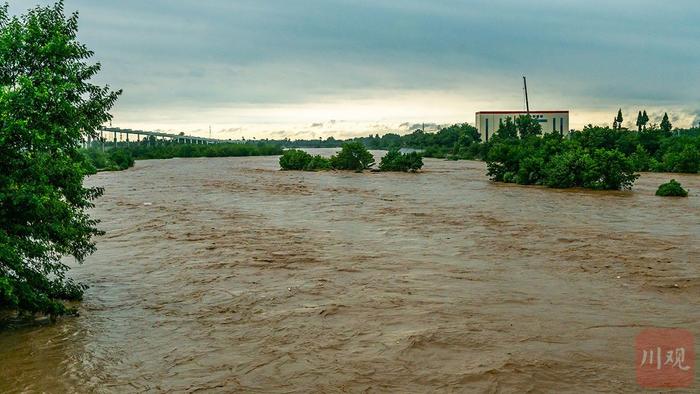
{"points": [[228, 274]]}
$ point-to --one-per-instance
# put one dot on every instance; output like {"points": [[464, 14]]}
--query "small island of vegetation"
{"points": [[353, 156], [672, 189]]}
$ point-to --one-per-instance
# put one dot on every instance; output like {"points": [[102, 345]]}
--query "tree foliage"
{"points": [[111, 160], [352, 156], [588, 160], [507, 130], [47, 106], [294, 159], [619, 119], [640, 121], [671, 189], [666, 123], [394, 160], [528, 126]]}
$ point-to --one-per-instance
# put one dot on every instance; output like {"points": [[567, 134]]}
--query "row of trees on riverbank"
{"points": [[116, 159]]}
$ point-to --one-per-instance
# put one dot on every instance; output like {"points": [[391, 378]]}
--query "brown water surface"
{"points": [[240, 277]]}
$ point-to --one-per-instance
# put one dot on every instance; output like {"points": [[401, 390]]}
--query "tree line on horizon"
{"points": [[642, 121], [655, 147]]}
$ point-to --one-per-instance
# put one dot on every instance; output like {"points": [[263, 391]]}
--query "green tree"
{"points": [[640, 121], [666, 124], [619, 119], [294, 159], [687, 160], [47, 106], [507, 129], [645, 119], [671, 189], [394, 160], [611, 170], [528, 126], [352, 156]]}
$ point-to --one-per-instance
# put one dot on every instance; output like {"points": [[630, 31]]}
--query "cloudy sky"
{"points": [[314, 68]]}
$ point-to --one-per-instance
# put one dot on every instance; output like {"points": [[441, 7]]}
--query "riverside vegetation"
{"points": [[595, 157], [117, 159], [353, 156]]}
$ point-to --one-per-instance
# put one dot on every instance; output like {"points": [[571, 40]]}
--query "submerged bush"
{"points": [[611, 170], [295, 159], [111, 160], [318, 163], [352, 156], [121, 158], [397, 161], [672, 189], [557, 162], [567, 169], [97, 159]]}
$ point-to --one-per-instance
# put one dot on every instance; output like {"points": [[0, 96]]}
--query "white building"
{"points": [[488, 122]]}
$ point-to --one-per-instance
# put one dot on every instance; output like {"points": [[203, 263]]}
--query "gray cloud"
{"points": [[424, 126], [217, 54], [695, 118]]}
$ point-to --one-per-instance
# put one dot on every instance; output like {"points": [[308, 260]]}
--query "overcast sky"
{"points": [[312, 68]]}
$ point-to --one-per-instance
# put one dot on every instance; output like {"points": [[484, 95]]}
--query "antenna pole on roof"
{"points": [[527, 101]]}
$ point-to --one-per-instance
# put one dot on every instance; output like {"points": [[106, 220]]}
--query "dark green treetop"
{"points": [[666, 123], [619, 118], [640, 121], [352, 156], [528, 126], [507, 129]]}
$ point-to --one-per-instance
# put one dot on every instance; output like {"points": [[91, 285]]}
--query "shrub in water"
{"points": [[295, 159], [556, 162], [397, 161], [611, 170], [672, 189], [121, 158], [318, 163], [353, 156]]}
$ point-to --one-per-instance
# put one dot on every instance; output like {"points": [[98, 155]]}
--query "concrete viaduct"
{"points": [[109, 135]]}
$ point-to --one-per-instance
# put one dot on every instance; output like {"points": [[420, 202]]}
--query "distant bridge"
{"points": [[119, 135]]}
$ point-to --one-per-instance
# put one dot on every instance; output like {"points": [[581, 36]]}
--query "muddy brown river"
{"points": [[227, 275]]}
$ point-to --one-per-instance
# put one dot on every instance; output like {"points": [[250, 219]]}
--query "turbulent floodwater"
{"points": [[238, 276]]}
